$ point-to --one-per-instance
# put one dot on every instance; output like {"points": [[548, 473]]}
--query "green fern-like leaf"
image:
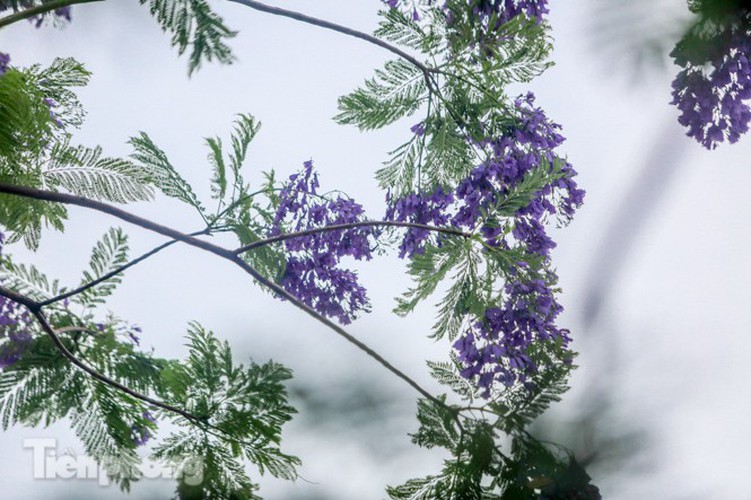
{"points": [[108, 254], [84, 172], [399, 28], [161, 172], [396, 91], [193, 24]]}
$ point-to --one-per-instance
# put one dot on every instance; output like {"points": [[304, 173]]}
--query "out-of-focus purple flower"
{"points": [[53, 116], [4, 62], [715, 82], [134, 334], [508, 9], [61, 13], [312, 273], [418, 129], [484, 10], [140, 434], [15, 338]]}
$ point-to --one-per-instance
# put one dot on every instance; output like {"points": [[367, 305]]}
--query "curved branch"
{"points": [[70, 199], [350, 225], [335, 27], [36, 310], [40, 9]]}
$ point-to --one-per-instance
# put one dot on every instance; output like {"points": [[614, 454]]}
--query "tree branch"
{"points": [[335, 27], [40, 9], [350, 225], [36, 309], [230, 255]]}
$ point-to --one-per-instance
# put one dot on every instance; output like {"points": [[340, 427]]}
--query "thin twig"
{"points": [[40, 9], [74, 329], [350, 225], [335, 27], [115, 272]]}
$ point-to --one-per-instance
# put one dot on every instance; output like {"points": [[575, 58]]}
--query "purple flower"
{"points": [[476, 200], [432, 209], [418, 129], [140, 433], [15, 321], [312, 273], [61, 13], [53, 116]]}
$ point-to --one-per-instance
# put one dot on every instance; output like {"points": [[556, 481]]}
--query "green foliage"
{"points": [[447, 373], [399, 28], [243, 411], [193, 24], [397, 90], [518, 407], [24, 119], [82, 171], [110, 253], [27, 280], [474, 456], [42, 388], [37, 106], [163, 174], [55, 82], [400, 172]]}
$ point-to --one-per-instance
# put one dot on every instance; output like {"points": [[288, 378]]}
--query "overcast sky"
{"points": [[660, 246]]}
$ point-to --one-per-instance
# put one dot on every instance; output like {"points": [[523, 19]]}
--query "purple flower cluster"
{"points": [[482, 11], [521, 149], [711, 89], [431, 209], [312, 273], [494, 348], [508, 9], [14, 334]]}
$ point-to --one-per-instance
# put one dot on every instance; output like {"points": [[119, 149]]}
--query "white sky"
{"points": [[672, 336]]}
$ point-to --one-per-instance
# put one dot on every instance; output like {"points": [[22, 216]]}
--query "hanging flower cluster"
{"points": [[312, 272], [494, 348], [712, 88]]}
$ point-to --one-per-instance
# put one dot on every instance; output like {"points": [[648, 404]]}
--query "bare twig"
{"points": [[74, 329], [335, 27], [115, 272], [350, 225]]}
